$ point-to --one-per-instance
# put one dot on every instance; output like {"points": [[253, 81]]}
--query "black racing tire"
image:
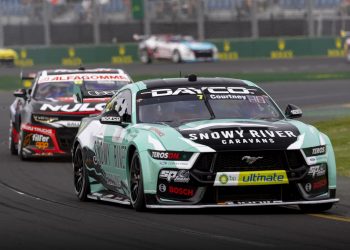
{"points": [[81, 179], [12, 145], [145, 57], [20, 153], [176, 57], [315, 208], [137, 196]]}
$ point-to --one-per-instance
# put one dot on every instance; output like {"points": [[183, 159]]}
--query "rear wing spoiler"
{"points": [[138, 37]]}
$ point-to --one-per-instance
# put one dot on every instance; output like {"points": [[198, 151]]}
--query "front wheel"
{"points": [[20, 153], [81, 180], [315, 208], [137, 196], [12, 144]]}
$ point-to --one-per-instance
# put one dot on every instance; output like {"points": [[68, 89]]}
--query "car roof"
{"points": [[82, 71], [193, 81]]}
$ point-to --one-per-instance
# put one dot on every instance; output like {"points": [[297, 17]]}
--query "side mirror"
{"points": [[111, 117], [293, 111], [21, 93]]}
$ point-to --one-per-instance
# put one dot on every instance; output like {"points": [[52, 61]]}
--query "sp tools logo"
{"points": [[250, 159], [182, 176]]}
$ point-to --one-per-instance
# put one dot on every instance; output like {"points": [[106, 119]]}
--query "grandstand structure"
{"points": [[106, 21]]}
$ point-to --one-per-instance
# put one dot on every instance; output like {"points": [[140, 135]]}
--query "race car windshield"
{"points": [[56, 91], [191, 107]]}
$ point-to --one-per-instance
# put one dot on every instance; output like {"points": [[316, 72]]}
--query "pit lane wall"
{"points": [[229, 50]]}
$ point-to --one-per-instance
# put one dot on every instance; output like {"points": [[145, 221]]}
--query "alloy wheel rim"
{"points": [[78, 173], [135, 180]]}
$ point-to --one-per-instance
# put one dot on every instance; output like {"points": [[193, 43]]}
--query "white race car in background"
{"points": [[176, 48]]}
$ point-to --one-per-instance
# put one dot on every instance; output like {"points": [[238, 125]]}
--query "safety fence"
{"points": [[229, 50]]}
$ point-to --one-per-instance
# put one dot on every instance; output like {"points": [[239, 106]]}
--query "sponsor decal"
{"points": [[250, 159], [110, 119], [316, 171], [162, 188], [165, 155], [41, 130], [101, 150], [83, 77], [119, 153], [319, 150], [181, 191], [296, 111], [247, 202], [308, 187], [228, 53], [281, 53], [223, 179], [240, 136], [170, 155], [181, 176], [319, 184], [70, 108], [70, 124], [228, 97], [199, 91], [24, 61], [256, 99], [251, 178], [40, 138], [102, 92]]}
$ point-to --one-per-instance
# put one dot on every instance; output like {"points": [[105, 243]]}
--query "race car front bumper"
{"points": [[40, 141]]}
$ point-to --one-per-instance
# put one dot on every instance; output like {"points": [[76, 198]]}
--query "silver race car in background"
{"points": [[176, 48]]}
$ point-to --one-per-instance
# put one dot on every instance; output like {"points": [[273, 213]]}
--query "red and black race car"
{"points": [[45, 119]]}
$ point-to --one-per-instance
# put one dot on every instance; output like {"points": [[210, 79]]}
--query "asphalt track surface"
{"points": [[39, 210]]}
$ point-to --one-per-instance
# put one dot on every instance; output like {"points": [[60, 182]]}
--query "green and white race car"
{"points": [[202, 142]]}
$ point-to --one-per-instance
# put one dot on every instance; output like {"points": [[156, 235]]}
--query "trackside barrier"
{"points": [[229, 50]]}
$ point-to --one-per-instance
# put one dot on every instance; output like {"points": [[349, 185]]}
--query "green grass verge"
{"points": [[13, 82], [339, 132]]}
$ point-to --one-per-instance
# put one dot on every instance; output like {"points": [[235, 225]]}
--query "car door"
{"points": [[113, 139]]}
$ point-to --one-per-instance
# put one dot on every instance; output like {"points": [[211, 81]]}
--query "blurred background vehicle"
{"points": [[7, 56], [45, 118], [176, 48]]}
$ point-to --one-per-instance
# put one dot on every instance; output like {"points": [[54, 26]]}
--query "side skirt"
{"points": [[109, 198]]}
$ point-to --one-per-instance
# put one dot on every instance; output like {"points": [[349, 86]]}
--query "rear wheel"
{"points": [[176, 58], [315, 208], [81, 180], [12, 144], [137, 196], [145, 57]]}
